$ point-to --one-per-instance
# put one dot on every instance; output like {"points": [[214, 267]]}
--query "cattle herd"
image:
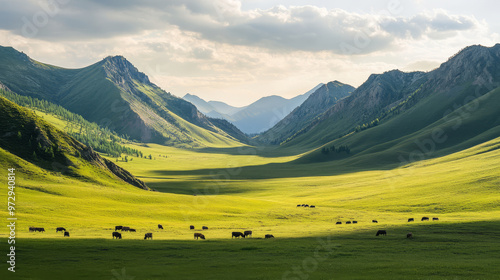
{"points": [[234, 234]]}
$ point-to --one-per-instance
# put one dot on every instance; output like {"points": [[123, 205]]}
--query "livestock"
{"points": [[269, 236], [348, 223], [39, 229], [204, 227], [125, 228], [354, 222], [435, 219], [312, 206], [381, 232], [60, 229], [411, 220], [32, 229], [374, 221], [66, 233], [160, 226], [307, 205], [117, 228], [132, 230], [237, 234], [191, 227], [298, 205], [409, 235], [425, 219], [247, 233], [338, 223], [117, 235], [148, 235], [197, 234]]}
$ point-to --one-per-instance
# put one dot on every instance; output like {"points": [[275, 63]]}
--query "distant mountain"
{"points": [[256, 117], [401, 117], [25, 137], [114, 94], [318, 102]]}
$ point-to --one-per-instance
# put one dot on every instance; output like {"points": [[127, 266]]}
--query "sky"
{"points": [[238, 51]]}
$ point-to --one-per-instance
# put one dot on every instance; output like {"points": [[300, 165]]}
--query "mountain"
{"points": [[256, 117], [114, 94], [25, 137], [401, 117], [317, 103]]}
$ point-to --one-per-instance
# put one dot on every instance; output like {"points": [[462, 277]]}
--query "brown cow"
{"points": [[247, 233], [148, 235], [269, 236], [117, 235], [237, 234], [381, 232], [66, 233], [409, 235], [60, 229], [197, 234]]}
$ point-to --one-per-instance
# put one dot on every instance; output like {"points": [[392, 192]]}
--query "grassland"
{"points": [[240, 191]]}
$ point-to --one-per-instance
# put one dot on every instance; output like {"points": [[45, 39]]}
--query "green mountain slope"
{"points": [[28, 138], [114, 94], [317, 103], [456, 108]]}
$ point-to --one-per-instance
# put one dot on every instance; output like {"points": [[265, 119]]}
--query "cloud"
{"points": [[296, 28]]}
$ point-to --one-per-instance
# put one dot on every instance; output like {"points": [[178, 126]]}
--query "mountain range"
{"points": [[255, 118]]}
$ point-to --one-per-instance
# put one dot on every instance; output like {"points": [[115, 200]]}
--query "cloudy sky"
{"points": [[240, 50]]}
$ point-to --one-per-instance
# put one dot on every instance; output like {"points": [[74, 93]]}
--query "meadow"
{"points": [[241, 189]]}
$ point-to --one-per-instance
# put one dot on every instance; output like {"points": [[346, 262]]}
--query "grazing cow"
{"points": [[66, 233], [197, 234], [237, 234], [125, 228], [298, 205], [303, 205], [60, 229], [32, 229], [191, 227], [117, 235], [348, 222], [374, 221], [338, 223], [312, 206], [132, 230], [435, 219], [425, 219], [354, 222], [409, 235], [269, 236], [411, 220], [148, 235], [160, 227], [307, 205], [381, 232], [117, 228], [247, 233], [40, 229], [204, 227]]}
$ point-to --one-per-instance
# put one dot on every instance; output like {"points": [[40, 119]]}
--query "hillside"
{"points": [[453, 108], [29, 138], [316, 104], [114, 94]]}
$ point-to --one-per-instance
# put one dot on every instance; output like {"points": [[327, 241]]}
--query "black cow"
{"points": [[298, 205], [269, 236], [148, 235], [40, 229], [191, 227], [348, 223], [374, 221], [197, 234], [204, 227], [307, 205], [60, 229], [66, 233], [160, 227], [248, 233], [354, 222], [237, 234], [117, 228], [125, 228], [117, 235], [338, 223], [381, 232], [435, 219], [303, 205], [411, 220], [32, 229], [312, 206], [132, 230], [424, 219], [409, 235]]}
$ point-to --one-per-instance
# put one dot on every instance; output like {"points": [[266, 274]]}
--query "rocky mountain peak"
{"points": [[121, 71]]}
